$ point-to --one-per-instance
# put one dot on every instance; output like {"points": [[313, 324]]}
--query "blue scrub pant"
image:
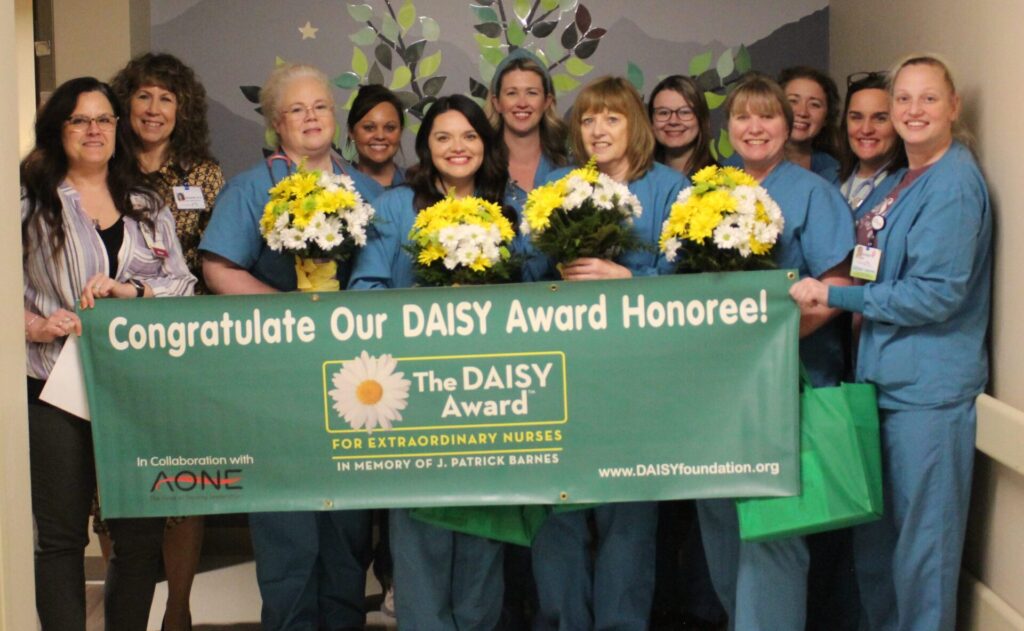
{"points": [[908, 563], [762, 585], [445, 580], [311, 568], [612, 591]]}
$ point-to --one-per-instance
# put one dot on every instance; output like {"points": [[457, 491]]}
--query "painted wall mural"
{"points": [[423, 49]]}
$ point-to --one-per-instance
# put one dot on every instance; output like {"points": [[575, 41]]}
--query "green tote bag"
{"points": [[840, 467]]}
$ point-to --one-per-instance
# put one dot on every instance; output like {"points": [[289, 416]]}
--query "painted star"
{"points": [[308, 31]]}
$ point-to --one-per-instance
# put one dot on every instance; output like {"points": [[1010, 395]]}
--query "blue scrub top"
{"points": [[515, 195], [818, 235], [385, 263], [926, 316], [375, 188], [657, 191], [878, 195], [821, 163], [234, 228]]}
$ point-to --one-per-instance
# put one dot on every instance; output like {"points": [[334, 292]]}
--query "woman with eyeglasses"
{"points": [[873, 158], [682, 125], [925, 252], [310, 566], [763, 585], [814, 98], [614, 588], [90, 230]]}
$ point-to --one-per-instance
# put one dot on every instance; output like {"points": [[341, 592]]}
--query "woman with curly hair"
{"points": [[166, 104], [166, 107]]}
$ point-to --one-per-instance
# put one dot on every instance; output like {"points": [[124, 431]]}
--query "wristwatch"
{"points": [[140, 289]]}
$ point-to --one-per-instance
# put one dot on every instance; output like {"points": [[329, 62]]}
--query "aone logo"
{"points": [[186, 481]]}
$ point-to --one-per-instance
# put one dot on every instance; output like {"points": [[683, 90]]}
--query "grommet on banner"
{"points": [[553, 287], [791, 275], [563, 496], [328, 504], [315, 297]]}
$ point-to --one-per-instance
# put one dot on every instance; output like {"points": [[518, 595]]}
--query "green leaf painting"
{"points": [[725, 64], [700, 63], [577, 67], [430, 64], [563, 82], [363, 37], [360, 12], [400, 77], [430, 29], [635, 76], [346, 81], [406, 16], [360, 65]]}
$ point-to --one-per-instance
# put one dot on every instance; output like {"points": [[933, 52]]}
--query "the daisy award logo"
{"points": [[368, 393]]}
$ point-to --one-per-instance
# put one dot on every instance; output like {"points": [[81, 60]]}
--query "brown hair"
{"points": [[760, 94], [553, 131], [691, 92], [616, 94]]}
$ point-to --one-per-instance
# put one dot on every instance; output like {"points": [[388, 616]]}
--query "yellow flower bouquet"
{"points": [[464, 241], [724, 222], [321, 219], [582, 214]]}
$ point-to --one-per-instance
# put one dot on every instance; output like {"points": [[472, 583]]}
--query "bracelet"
{"points": [[140, 289], [29, 325]]}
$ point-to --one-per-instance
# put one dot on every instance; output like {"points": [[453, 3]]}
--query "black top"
{"points": [[113, 237]]}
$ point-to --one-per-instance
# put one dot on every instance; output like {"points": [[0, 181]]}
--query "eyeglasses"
{"points": [[298, 111], [105, 122], [874, 75], [664, 114]]}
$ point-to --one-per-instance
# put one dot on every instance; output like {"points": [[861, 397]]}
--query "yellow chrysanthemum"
{"points": [[705, 175]]}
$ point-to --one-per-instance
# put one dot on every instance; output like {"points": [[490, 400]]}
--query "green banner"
{"points": [[651, 388]]}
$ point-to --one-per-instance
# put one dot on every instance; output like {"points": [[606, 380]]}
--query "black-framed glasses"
{"points": [[873, 75], [106, 122], [664, 114]]}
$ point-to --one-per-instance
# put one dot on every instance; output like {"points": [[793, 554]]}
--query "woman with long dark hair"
{"points": [[814, 99], [682, 125], [90, 230], [443, 579]]}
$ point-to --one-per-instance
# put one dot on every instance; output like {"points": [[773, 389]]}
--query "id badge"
{"points": [[153, 241], [865, 262], [189, 198]]}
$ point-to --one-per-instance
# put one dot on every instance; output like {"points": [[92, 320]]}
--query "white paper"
{"points": [[65, 388]]}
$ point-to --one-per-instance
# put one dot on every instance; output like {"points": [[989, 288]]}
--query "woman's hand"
{"points": [[60, 323], [809, 293], [593, 269], [102, 286]]}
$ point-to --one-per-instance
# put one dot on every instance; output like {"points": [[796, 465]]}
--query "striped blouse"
{"points": [[52, 284]]}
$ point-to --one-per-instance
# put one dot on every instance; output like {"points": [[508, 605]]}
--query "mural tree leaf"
{"points": [[635, 76], [596, 33], [346, 81], [389, 27], [700, 63], [414, 51], [360, 65], [477, 89], [485, 14], [563, 82], [548, 5], [430, 64], [430, 28], [383, 54], [742, 60], [360, 12], [577, 67], [375, 76], [566, 5], [516, 34], [433, 85], [363, 37], [490, 29], [586, 48], [725, 64], [541, 30], [583, 19], [400, 77], [522, 9], [251, 93], [570, 36], [714, 100], [406, 16]]}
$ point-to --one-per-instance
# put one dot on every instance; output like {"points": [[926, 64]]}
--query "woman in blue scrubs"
{"points": [[310, 566], [922, 343], [614, 591], [764, 585], [873, 157], [375, 125], [815, 101], [443, 579]]}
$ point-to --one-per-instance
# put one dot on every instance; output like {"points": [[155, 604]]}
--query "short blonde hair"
{"points": [[616, 94], [280, 77], [761, 95]]}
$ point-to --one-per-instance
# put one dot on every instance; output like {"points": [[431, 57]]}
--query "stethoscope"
{"points": [[864, 189], [290, 164]]}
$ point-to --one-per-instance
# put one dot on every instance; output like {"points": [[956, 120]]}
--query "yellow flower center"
{"points": [[369, 392]]}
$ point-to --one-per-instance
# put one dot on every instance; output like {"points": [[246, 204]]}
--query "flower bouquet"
{"points": [[462, 242], [583, 214], [725, 222], [321, 219]]}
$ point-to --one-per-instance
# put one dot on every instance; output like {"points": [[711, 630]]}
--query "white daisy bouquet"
{"points": [[462, 241], [321, 219], [724, 222], [583, 214]]}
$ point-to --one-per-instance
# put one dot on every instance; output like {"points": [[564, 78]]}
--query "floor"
{"points": [[224, 599]]}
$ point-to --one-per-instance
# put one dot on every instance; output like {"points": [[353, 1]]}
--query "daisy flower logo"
{"points": [[368, 393]]}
